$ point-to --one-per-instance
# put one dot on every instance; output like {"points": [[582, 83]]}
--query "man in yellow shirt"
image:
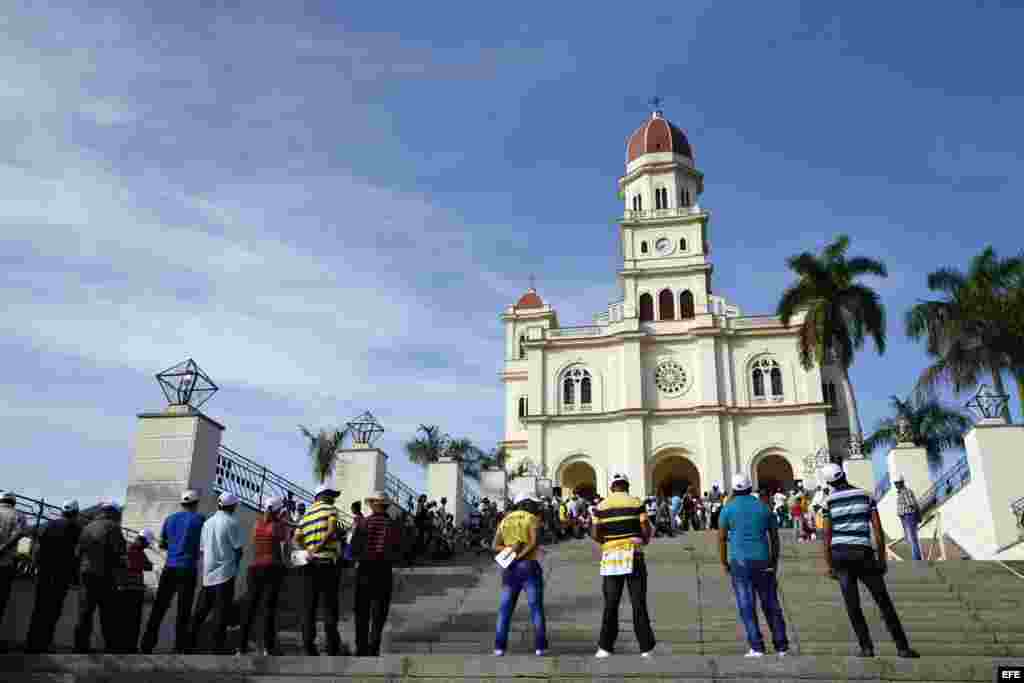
{"points": [[318, 535], [519, 530], [622, 528]]}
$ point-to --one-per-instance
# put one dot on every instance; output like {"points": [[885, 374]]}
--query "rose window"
{"points": [[670, 377]]}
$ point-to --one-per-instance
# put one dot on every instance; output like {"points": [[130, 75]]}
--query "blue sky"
{"points": [[328, 205]]}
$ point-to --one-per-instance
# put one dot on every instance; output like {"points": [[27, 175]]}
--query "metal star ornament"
{"points": [[365, 429], [987, 404], [185, 384]]}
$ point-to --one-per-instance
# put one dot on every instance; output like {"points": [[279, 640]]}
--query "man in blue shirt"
{"points": [[676, 506], [748, 538], [180, 538]]}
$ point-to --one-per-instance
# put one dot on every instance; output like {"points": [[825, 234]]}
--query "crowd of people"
{"points": [[203, 554]]}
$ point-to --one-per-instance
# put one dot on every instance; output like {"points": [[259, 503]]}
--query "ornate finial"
{"points": [[365, 430], [533, 282], [903, 431], [655, 103], [988, 405], [815, 461], [855, 448], [185, 384]]}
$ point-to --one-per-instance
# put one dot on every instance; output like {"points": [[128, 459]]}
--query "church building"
{"points": [[671, 384]]}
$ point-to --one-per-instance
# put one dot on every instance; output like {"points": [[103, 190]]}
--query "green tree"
{"points": [[976, 328], [323, 450], [840, 312], [431, 444], [931, 425]]}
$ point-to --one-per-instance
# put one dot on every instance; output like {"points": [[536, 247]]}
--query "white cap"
{"points": [[7, 495], [190, 496], [619, 476], [522, 497], [831, 473], [108, 505], [148, 535], [275, 504], [227, 500], [741, 482], [324, 488], [899, 477], [70, 506]]}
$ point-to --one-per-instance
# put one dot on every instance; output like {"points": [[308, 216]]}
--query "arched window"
{"points": [[666, 305], [576, 382], [686, 310], [684, 197], [638, 202], [522, 407], [643, 247], [522, 346], [661, 198], [682, 244], [646, 307], [766, 376]]}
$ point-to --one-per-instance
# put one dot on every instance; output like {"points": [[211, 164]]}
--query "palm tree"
{"points": [[840, 312], [976, 328], [323, 450], [932, 426], [428, 447]]}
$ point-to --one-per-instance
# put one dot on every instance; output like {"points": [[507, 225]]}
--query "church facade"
{"points": [[671, 384]]}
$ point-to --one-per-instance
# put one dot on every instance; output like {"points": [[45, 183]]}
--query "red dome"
{"points": [[657, 134], [530, 300]]}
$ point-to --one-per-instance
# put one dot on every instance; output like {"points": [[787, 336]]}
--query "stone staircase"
{"points": [[963, 617]]}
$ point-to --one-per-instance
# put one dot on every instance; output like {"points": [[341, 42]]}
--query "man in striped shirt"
{"points": [[375, 544], [318, 535], [622, 528], [850, 517]]}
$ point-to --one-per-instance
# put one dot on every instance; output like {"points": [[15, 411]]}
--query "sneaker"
{"points": [[867, 652], [602, 653], [907, 653], [648, 654], [499, 653], [542, 653], [782, 653], [753, 654]]}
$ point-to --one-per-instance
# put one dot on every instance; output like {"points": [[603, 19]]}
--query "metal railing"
{"points": [[954, 479], [1017, 507], [882, 487], [632, 215], [253, 483], [403, 495], [583, 331]]}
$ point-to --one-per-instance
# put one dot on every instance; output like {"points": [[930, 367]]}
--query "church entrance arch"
{"points": [[673, 474], [580, 478], [773, 472]]}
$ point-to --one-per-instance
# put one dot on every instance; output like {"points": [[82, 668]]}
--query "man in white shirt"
{"points": [[780, 507], [220, 548]]}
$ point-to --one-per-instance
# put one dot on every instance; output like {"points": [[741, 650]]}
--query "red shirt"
{"points": [[265, 536]]}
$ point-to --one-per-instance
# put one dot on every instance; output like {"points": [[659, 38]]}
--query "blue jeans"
{"points": [[751, 579], [910, 524], [522, 574]]}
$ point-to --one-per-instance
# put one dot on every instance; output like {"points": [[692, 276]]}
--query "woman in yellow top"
{"points": [[519, 530]]}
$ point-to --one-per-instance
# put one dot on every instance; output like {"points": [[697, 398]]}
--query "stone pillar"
{"points": [[993, 451], [494, 485], [175, 450], [444, 480], [633, 462], [524, 484], [861, 473], [359, 472], [912, 462]]}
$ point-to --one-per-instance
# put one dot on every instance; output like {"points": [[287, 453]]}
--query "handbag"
{"points": [[300, 558]]}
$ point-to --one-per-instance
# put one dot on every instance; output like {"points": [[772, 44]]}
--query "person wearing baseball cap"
{"points": [[12, 528], [850, 516], [376, 543], [101, 547], [58, 542], [131, 589], [318, 534], [748, 542], [519, 531], [622, 528], [220, 547], [909, 513], [179, 536], [266, 574]]}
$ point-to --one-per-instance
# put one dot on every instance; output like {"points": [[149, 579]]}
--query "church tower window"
{"points": [[666, 305], [686, 310], [646, 307], [568, 391], [522, 407], [661, 198], [766, 377], [643, 247], [585, 395], [522, 346], [638, 202], [576, 382], [682, 244]]}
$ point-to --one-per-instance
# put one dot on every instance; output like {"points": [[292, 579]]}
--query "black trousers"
{"points": [[6, 581], [612, 588], [374, 583], [714, 518], [129, 619], [219, 600], [263, 581], [51, 591], [852, 564], [173, 581], [322, 580], [97, 593]]}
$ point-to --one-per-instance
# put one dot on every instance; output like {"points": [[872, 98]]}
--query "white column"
{"points": [[912, 462], [358, 473], [993, 451], [175, 450], [494, 485], [444, 480], [861, 473]]}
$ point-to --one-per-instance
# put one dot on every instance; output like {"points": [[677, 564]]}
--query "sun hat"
{"points": [[8, 496], [832, 473], [522, 498], [619, 476], [108, 505], [741, 482], [227, 500], [899, 477], [378, 497], [70, 506], [325, 489], [275, 504], [190, 496]]}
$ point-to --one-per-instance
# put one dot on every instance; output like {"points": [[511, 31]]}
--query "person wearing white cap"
{"points": [[519, 532], [58, 543], [220, 549], [266, 574], [851, 516], [131, 589], [376, 542], [101, 548], [318, 534], [910, 515], [748, 542], [12, 528], [622, 528], [179, 536]]}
